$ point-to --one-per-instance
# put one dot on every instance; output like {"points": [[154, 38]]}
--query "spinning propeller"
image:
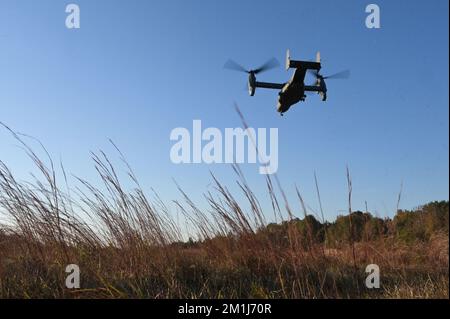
{"points": [[340, 75], [270, 64], [320, 81]]}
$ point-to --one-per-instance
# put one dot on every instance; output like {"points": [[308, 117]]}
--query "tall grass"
{"points": [[130, 245]]}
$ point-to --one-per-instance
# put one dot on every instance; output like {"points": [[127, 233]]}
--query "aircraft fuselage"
{"points": [[292, 93]]}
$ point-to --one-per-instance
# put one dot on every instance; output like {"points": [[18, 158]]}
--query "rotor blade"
{"points": [[315, 73], [271, 64], [340, 75], [231, 65]]}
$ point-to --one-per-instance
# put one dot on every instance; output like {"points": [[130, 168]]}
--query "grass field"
{"points": [[128, 245]]}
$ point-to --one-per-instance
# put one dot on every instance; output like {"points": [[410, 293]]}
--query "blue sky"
{"points": [[137, 69]]}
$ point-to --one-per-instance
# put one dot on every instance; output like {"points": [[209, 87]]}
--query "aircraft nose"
{"points": [[279, 107]]}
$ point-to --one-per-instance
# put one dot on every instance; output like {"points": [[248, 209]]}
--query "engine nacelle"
{"points": [[322, 88], [251, 84]]}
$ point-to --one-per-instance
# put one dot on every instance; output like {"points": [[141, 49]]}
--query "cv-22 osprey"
{"points": [[295, 89]]}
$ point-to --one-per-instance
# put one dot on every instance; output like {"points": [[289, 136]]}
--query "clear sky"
{"points": [[137, 69]]}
